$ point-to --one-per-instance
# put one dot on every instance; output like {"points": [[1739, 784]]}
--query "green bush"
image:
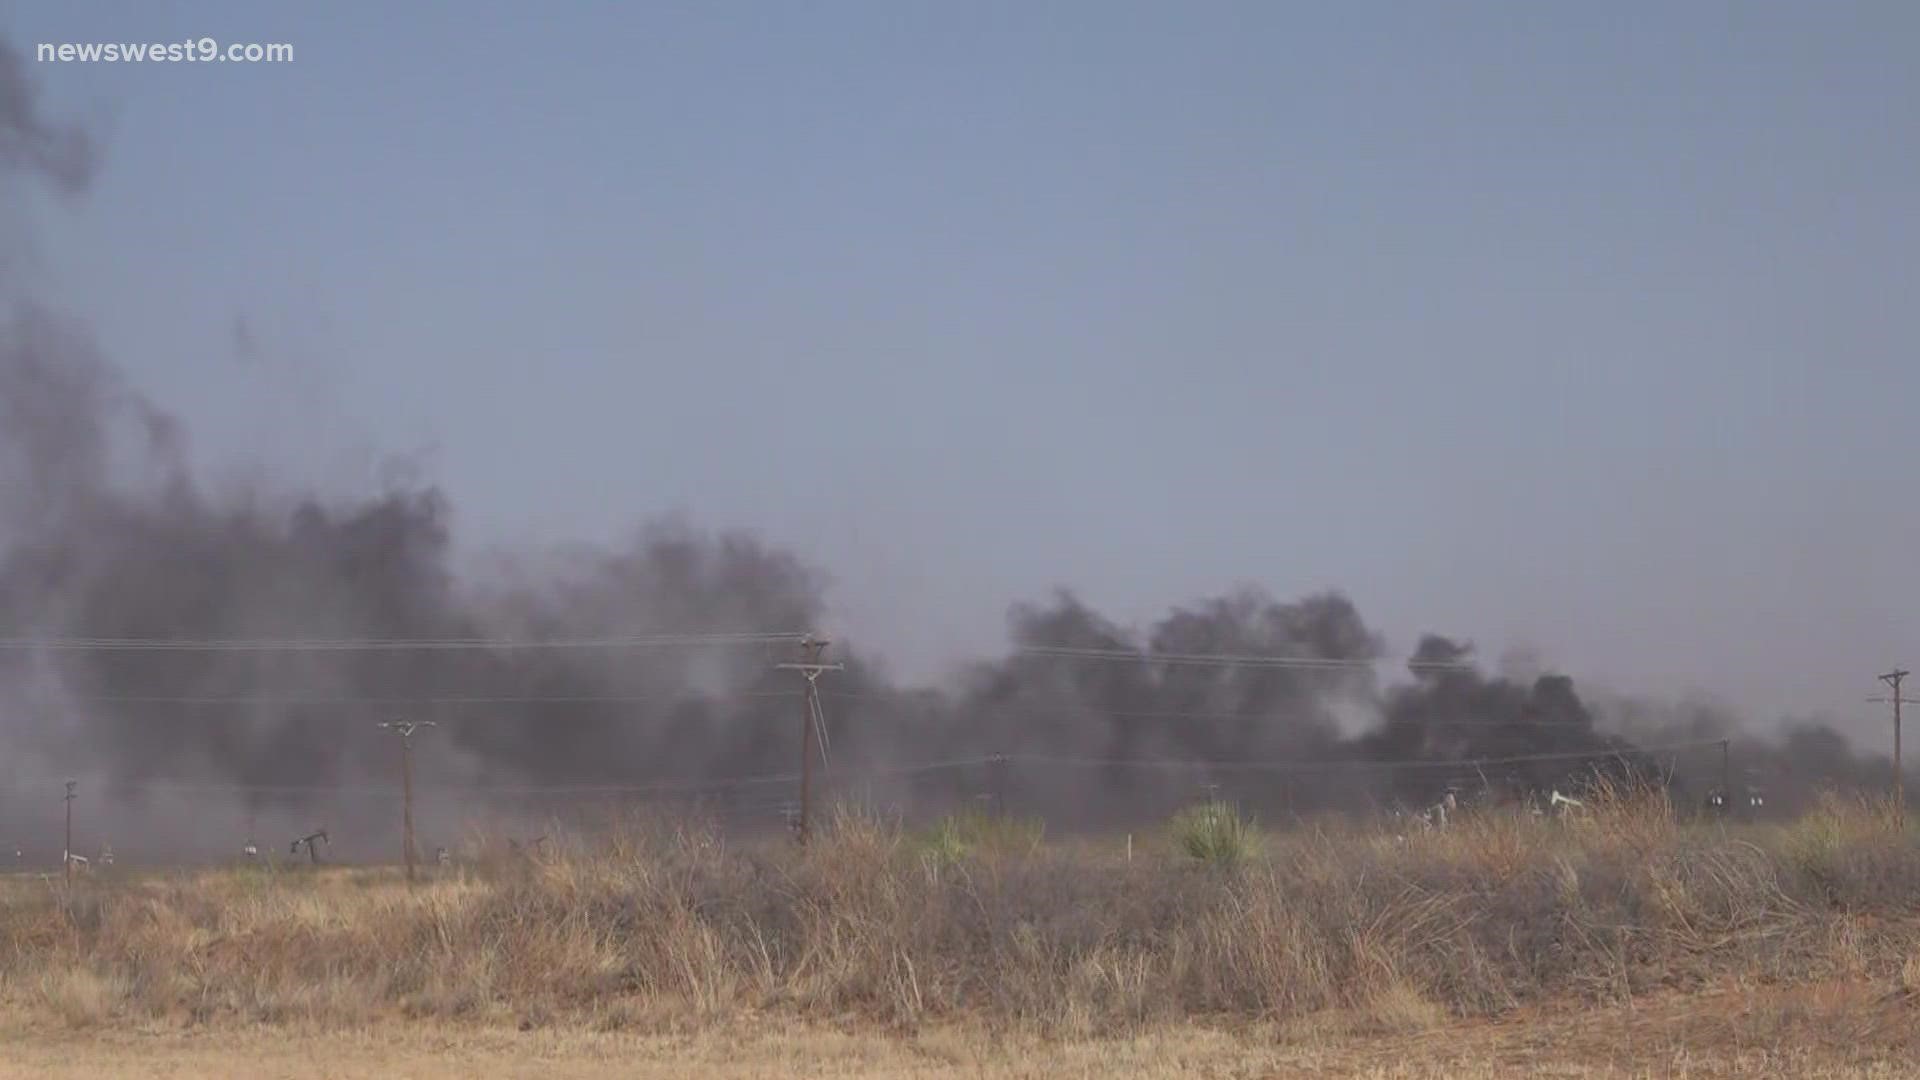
{"points": [[959, 834], [1214, 832]]}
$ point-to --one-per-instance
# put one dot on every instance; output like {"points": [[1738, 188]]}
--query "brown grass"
{"points": [[666, 929]]}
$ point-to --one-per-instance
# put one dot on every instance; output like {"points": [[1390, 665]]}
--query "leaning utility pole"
{"points": [[66, 853], [812, 725], [405, 729], [1893, 679]]}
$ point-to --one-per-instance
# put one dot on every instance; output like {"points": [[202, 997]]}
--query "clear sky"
{"points": [[1592, 329]]}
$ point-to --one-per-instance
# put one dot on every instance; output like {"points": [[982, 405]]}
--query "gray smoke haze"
{"points": [[105, 532], [31, 146]]}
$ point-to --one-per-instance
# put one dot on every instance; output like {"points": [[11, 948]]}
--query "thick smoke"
{"points": [[109, 535], [105, 532]]}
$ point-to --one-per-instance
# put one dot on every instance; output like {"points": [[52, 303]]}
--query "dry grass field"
{"points": [[1627, 944]]}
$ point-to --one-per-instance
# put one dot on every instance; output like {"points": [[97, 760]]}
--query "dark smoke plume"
{"points": [[108, 535], [105, 532]]}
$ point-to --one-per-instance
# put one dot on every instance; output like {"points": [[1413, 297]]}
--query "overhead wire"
{"points": [[688, 787], [140, 644], [736, 697], [721, 784], [1340, 765], [1176, 714], [355, 700], [1231, 660]]}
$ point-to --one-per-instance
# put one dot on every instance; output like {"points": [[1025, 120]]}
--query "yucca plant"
{"points": [[1214, 833]]}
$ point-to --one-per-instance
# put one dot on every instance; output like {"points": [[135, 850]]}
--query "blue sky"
{"points": [[1585, 329]]}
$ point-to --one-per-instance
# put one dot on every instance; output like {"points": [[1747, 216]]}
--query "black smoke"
{"points": [[106, 532]]}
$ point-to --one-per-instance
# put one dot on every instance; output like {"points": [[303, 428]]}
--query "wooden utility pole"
{"points": [[405, 729], [812, 724], [1893, 679], [66, 852]]}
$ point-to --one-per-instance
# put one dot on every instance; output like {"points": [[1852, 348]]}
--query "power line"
{"points": [[1228, 660], [686, 787], [644, 641], [689, 787], [1344, 765], [352, 700], [902, 700], [718, 784], [735, 698], [1063, 712]]}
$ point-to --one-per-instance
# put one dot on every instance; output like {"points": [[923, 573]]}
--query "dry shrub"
{"points": [[1909, 979], [665, 925], [80, 997], [1397, 1008], [1852, 852], [1633, 818]]}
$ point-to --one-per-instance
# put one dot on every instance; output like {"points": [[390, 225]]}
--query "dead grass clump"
{"points": [[82, 998]]}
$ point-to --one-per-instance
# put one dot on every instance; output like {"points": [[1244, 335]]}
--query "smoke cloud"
{"points": [[62, 156], [106, 533]]}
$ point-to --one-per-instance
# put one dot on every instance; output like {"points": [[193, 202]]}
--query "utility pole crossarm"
{"points": [[406, 728]]}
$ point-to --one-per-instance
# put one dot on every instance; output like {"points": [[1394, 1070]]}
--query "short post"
{"points": [[66, 852]]}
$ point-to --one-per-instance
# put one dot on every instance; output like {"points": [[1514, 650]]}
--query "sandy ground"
{"points": [[1827, 1031]]}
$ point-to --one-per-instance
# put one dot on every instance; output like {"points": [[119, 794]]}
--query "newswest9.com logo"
{"points": [[204, 50]]}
